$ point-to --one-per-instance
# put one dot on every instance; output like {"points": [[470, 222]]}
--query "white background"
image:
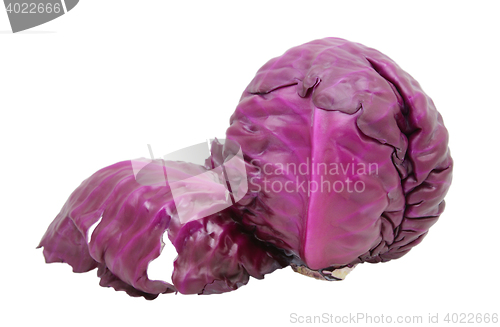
{"points": [[93, 87]]}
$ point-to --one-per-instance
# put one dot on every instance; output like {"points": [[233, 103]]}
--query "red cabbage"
{"points": [[340, 103], [346, 161]]}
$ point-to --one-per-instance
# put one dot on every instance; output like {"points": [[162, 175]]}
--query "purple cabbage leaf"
{"points": [[345, 160]]}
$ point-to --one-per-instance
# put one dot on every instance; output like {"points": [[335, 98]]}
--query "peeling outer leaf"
{"points": [[217, 256], [128, 237]]}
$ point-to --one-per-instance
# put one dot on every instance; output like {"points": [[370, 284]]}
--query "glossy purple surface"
{"points": [[348, 114], [215, 255], [332, 101]]}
